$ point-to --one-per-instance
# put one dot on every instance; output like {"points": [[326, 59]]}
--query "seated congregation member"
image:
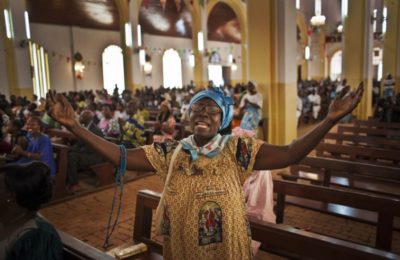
{"points": [[133, 134], [120, 112], [315, 99], [166, 123], [24, 234], [203, 214], [39, 146], [14, 134], [251, 104], [80, 155], [108, 125], [5, 146]]}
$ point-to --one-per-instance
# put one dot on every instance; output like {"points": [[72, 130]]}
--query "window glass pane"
{"points": [[113, 69], [172, 69]]}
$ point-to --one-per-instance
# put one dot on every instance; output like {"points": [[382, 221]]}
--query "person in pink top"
{"points": [[109, 125]]}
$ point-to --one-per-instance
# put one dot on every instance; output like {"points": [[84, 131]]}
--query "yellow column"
{"points": [[301, 23], [16, 59], [123, 12], [272, 64], [9, 55], [199, 22], [357, 52], [391, 42]]}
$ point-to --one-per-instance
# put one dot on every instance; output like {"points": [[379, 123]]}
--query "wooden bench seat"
{"points": [[359, 154], [354, 175], [75, 249], [105, 173], [363, 140], [374, 123], [327, 200], [277, 239], [61, 154], [354, 130]]}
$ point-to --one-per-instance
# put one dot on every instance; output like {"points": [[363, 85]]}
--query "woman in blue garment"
{"points": [[251, 104], [39, 146]]}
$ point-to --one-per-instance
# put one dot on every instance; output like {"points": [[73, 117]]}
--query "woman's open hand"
{"points": [[60, 109], [345, 102]]}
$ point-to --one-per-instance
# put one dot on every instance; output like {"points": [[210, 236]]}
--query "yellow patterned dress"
{"points": [[204, 215]]}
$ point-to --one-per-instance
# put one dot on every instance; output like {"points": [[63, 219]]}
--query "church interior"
{"points": [[126, 73]]}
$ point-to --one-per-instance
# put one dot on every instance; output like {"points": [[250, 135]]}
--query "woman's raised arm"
{"points": [[275, 157], [61, 110]]}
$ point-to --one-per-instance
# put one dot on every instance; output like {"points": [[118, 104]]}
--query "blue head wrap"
{"points": [[218, 96]]}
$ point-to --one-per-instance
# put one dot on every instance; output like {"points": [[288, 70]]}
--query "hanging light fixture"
{"points": [[79, 67], [318, 19]]}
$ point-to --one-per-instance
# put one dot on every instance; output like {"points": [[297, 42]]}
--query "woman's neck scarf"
{"points": [[211, 149]]}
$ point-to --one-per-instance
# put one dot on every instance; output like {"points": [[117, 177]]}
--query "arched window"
{"points": [[113, 69], [377, 63], [336, 65], [215, 69], [172, 69]]}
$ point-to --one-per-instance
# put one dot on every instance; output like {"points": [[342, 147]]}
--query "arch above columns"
{"points": [[239, 8]]}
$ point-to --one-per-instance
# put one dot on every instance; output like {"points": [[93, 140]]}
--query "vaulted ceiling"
{"points": [[98, 14], [168, 21], [103, 14], [222, 24]]}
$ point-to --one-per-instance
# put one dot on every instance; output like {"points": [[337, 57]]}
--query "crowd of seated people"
{"points": [[314, 98]]}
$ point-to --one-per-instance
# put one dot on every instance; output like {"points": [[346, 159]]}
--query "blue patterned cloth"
{"points": [[211, 149]]}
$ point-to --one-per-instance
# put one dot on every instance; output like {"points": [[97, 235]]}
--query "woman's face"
{"points": [[205, 118], [33, 126], [106, 112]]}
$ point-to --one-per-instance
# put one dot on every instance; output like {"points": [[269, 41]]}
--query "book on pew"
{"points": [[123, 253]]}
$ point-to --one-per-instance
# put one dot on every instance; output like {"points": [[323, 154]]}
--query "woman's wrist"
{"points": [[331, 122], [74, 127]]}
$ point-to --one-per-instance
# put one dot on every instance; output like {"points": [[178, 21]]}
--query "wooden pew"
{"points": [[376, 124], [278, 239], [354, 130], [104, 171], [359, 154], [61, 152], [363, 141], [75, 249], [338, 201], [355, 175]]}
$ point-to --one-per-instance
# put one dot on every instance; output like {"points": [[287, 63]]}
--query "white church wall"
{"points": [[57, 40], [156, 45]]}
